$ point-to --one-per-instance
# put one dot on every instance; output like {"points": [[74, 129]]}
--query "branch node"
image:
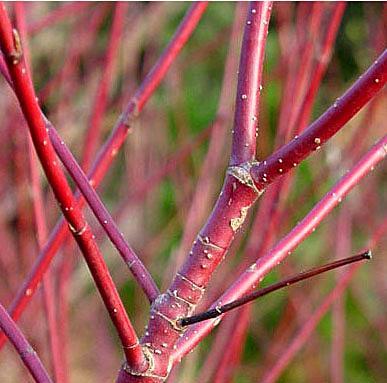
{"points": [[242, 174], [173, 294], [193, 285], [150, 369], [175, 323], [78, 232], [17, 53], [131, 346]]}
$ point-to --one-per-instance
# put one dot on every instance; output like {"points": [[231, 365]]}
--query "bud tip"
{"points": [[368, 254]]}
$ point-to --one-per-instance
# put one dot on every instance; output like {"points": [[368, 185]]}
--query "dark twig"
{"points": [[217, 311]]}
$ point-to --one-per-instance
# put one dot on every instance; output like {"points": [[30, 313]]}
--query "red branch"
{"points": [[211, 245], [255, 273], [344, 108], [108, 153], [41, 225], [250, 83], [12, 50]]}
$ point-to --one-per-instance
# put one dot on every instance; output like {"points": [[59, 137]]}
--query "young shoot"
{"points": [[220, 310]]}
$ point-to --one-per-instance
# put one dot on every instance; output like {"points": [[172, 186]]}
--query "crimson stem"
{"points": [[104, 157], [12, 50]]}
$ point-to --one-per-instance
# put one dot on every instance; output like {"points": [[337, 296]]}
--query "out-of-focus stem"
{"points": [[274, 373], [323, 59], [228, 365], [343, 246], [92, 136], [61, 12]]}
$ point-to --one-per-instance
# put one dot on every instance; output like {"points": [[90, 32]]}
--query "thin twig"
{"points": [[219, 310]]}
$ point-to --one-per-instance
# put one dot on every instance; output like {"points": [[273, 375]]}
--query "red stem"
{"points": [[105, 157], [250, 82], [329, 123], [284, 247], [202, 196], [11, 47], [189, 284], [40, 222]]}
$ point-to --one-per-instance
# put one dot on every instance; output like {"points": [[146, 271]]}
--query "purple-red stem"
{"points": [[23, 348], [135, 265]]}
